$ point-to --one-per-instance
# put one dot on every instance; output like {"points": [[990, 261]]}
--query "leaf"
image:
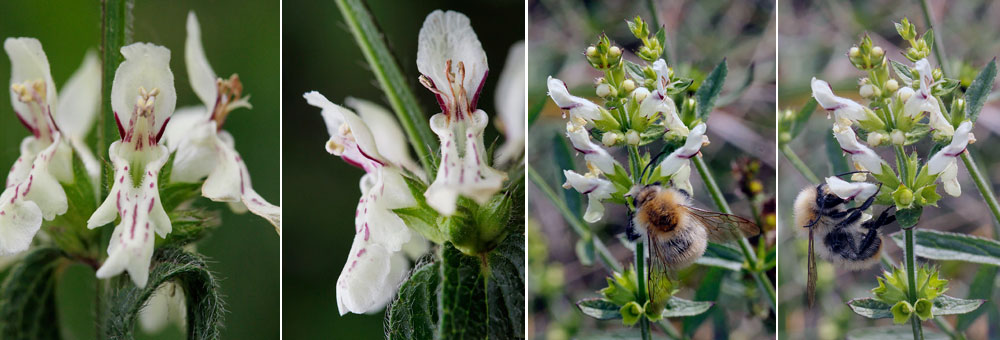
{"points": [[599, 309], [802, 118], [902, 71], [414, 312], [634, 71], [979, 90], [909, 217], [189, 226], [173, 194], [838, 164], [946, 86], [940, 245], [170, 264], [708, 290], [870, 308], [505, 288], [709, 90], [395, 86], [462, 297], [677, 307], [891, 333], [947, 305], [981, 288], [29, 310], [721, 256], [744, 85]]}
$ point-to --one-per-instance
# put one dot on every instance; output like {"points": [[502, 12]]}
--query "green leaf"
{"points": [[634, 71], [505, 288], [979, 90], [940, 245], [744, 85], [909, 217], [902, 71], [708, 290], [599, 308], [709, 90], [677, 307], [870, 308], [173, 194], [462, 297], [838, 163], [395, 86], [28, 309], [981, 288], [947, 305], [802, 118], [170, 264], [946, 86], [189, 226], [891, 333], [414, 312], [721, 256]]}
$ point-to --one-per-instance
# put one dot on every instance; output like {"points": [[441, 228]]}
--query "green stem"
{"points": [[640, 273], [985, 189], [938, 47], [798, 164], [911, 277], [748, 255], [389, 76]]}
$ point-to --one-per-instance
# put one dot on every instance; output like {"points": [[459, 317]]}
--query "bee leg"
{"points": [[852, 217], [630, 233], [883, 219]]}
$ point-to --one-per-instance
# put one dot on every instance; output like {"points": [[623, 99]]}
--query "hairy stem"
{"points": [[799, 164], [985, 189], [748, 255], [911, 277]]}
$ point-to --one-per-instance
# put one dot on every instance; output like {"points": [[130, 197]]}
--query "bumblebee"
{"points": [[676, 232], [846, 239]]}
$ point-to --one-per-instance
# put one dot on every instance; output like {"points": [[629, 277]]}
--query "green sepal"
{"points": [[923, 309], [903, 197], [622, 287], [653, 311], [901, 312], [887, 177], [927, 195], [630, 312]]}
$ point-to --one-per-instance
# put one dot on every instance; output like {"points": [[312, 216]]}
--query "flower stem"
{"points": [[640, 273], [748, 255], [798, 164], [911, 278], [985, 189], [938, 47], [387, 71]]}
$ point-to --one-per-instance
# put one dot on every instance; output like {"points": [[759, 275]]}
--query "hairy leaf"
{"points": [[709, 90], [870, 308], [505, 288], [463, 296], [940, 245], [947, 305], [170, 264], [677, 307], [744, 85], [414, 312], [979, 90], [802, 118], [981, 288], [28, 309], [721, 256], [599, 308]]}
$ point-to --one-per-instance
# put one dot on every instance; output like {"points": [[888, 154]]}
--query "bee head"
{"points": [[642, 193]]}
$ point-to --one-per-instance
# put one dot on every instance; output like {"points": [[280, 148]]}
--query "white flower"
{"points": [[923, 101], [945, 161], [453, 66], [681, 157], [846, 111], [376, 264], [850, 190], [510, 104], [659, 102], [594, 154], [32, 191], [863, 157], [143, 99], [580, 109], [203, 149], [166, 305], [597, 189]]}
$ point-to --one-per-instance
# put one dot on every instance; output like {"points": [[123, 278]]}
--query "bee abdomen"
{"points": [[684, 248]]}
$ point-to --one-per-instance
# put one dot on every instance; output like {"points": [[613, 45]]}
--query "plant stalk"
{"points": [[985, 189], [799, 164], [748, 255], [911, 278], [938, 47], [640, 273]]}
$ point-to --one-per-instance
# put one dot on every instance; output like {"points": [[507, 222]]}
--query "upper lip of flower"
{"points": [[457, 61]]}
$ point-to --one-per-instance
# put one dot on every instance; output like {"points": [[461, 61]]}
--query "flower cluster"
{"points": [[638, 109], [902, 110], [893, 287], [453, 67]]}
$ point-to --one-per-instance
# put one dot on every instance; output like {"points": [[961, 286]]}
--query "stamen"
{"points": [[228, 91]]}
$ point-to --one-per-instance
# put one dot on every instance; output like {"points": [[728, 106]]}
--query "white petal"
{"points": [[20, 219], [146, 66], [577, 107], [662, 76], [192, 137], [80, 99], [682, 179], [35, 180], [465, 174], [167, 304], [449, 36], [416, 247], [596, 189], [29, 63], [229, 181], [843, 108], [391, 142], [369, 278], [681, 156], [381, 192], [850, 190], [198, 69], [860, 154], [949, 177], [350, 138], [656, 102], [510, 104], [948, 154], [593, 153]]}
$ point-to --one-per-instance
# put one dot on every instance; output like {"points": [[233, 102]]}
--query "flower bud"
{"points": [[892, 85], [632, 137], [628, 85], [937, 74], [603, 90], [905, 93], [614, 52], [867, 90], [854, 52], [591, 51], [877, 52], [903, 197], [875, 138], [897, 137], [610, 138]]}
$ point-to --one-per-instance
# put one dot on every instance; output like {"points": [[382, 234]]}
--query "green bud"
{"points": [[591, 51], [903, 197], [854, 52], [957, 110], [937, 73], [630, 313], [784, 137], [923, 309], [638, 28], [906, 30], [901, 312], [487, 227]]}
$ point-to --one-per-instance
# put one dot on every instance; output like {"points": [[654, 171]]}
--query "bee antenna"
{"points": [[652, 161], [853, 172]]}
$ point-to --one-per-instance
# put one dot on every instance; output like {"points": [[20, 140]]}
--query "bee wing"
{"points": [[811, 275], [659, 273], [723, 227]]}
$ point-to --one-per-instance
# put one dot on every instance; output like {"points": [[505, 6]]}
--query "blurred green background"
{"points": [[320, 54], [699, 34], [814, 39], [239, 37]]}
